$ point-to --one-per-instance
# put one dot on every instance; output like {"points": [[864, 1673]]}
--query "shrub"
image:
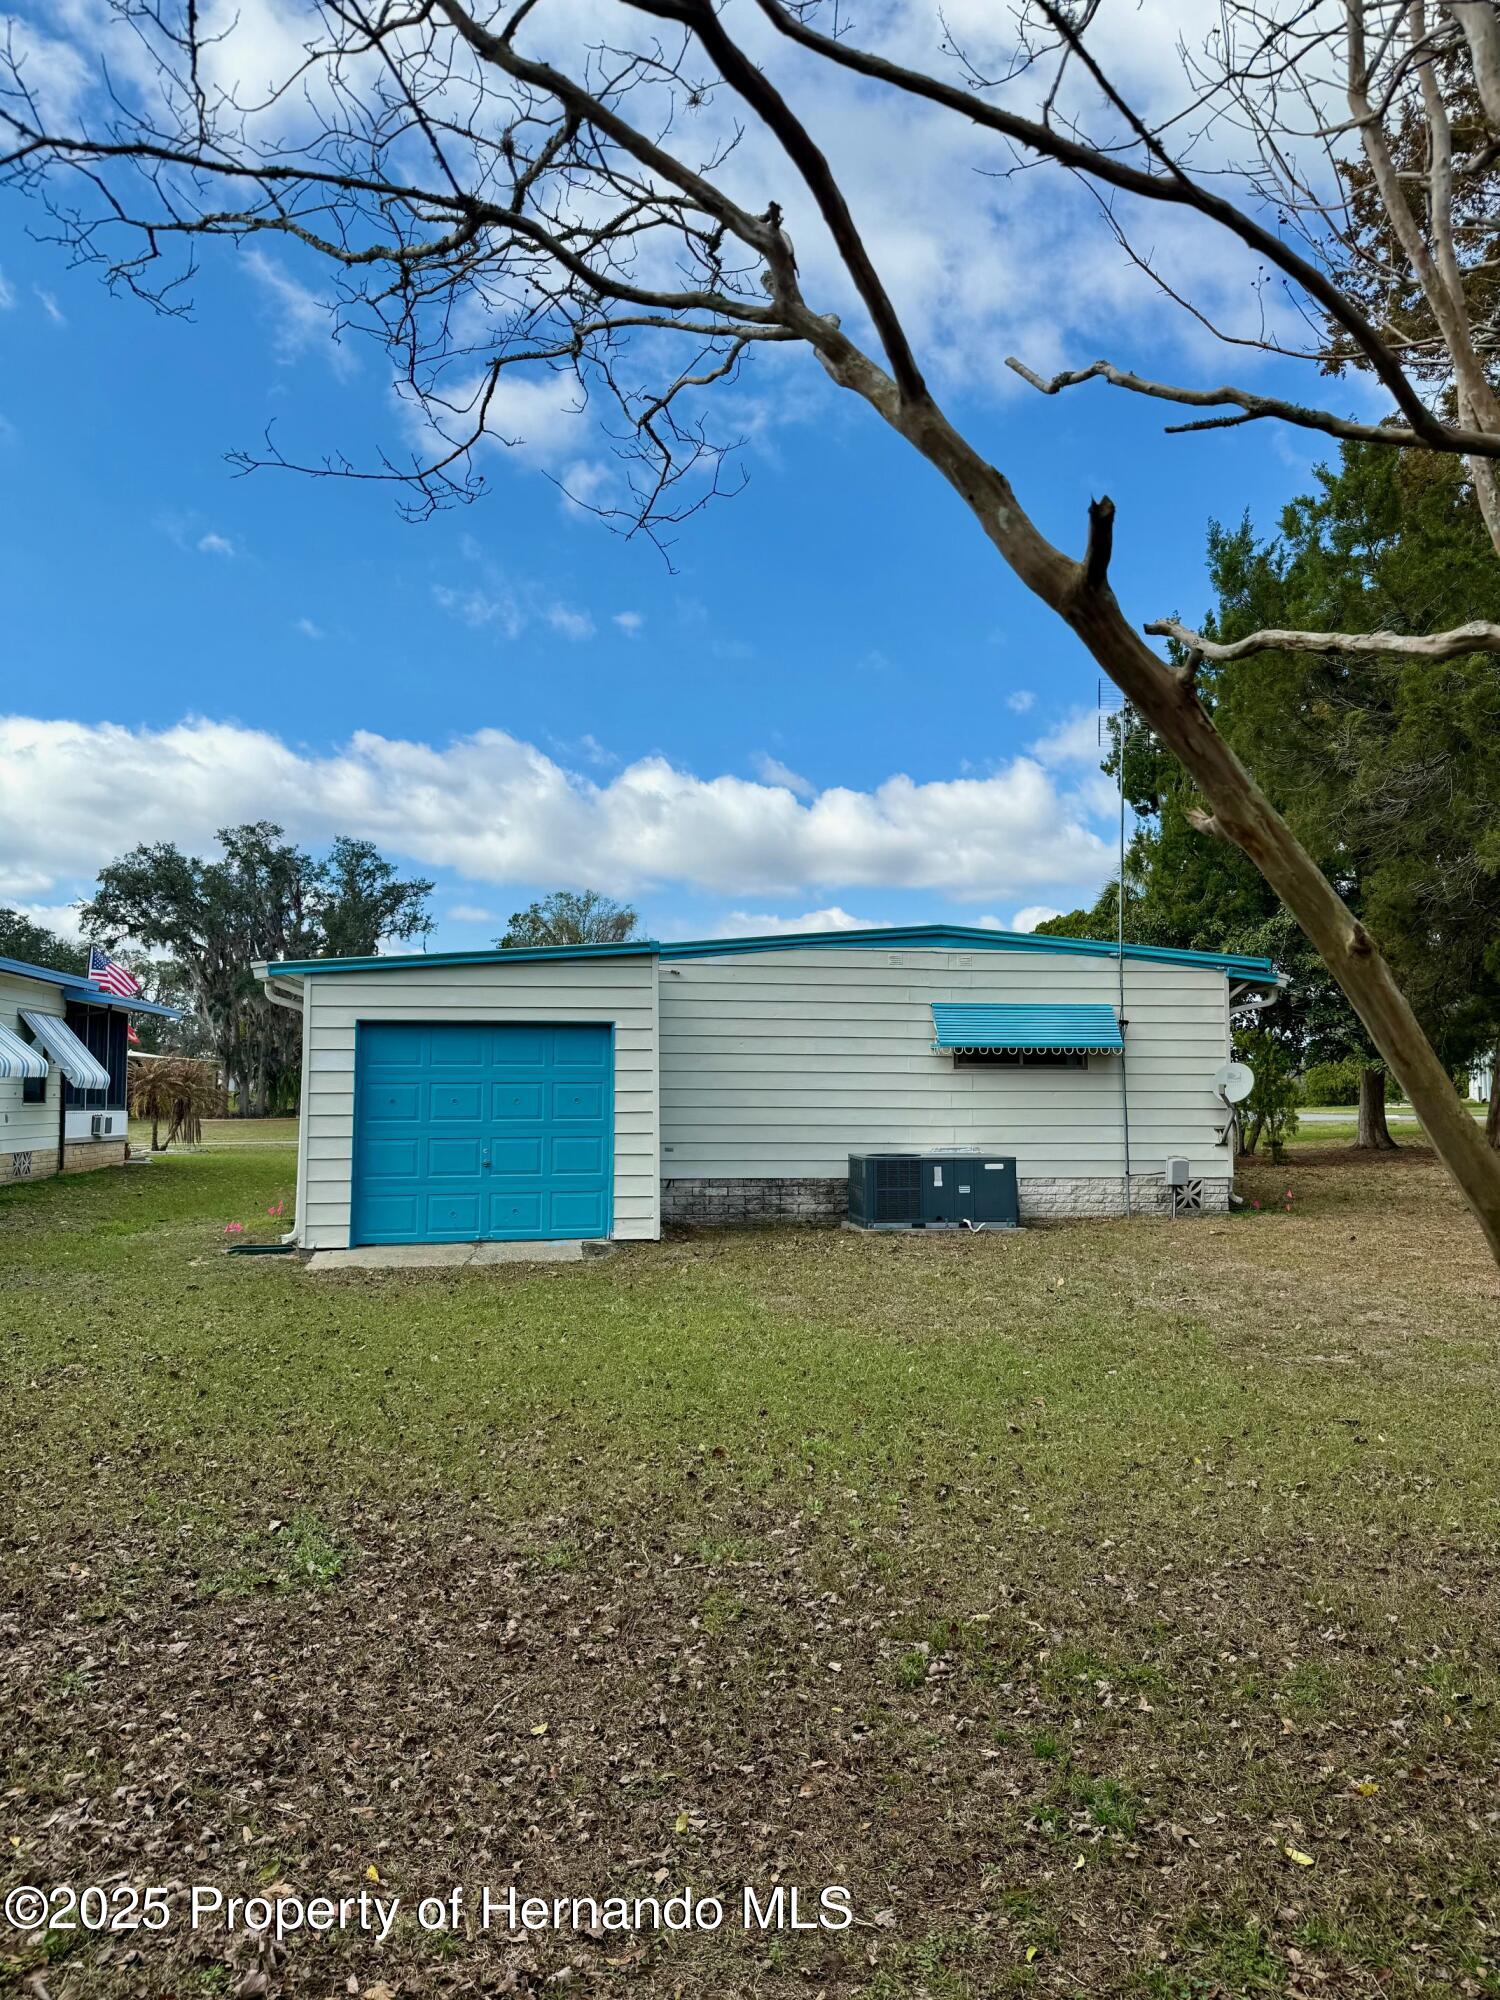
{"points": [[1331, 1082]]}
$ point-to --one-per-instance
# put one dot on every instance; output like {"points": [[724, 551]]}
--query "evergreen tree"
{"points": [[1389, 770]]}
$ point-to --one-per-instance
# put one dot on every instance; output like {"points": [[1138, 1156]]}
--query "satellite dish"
{"points": [[1234, 1081]]}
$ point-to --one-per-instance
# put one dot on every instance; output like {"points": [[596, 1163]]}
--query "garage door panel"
{"points": [[456, 1103], [456, 1046], [394, 1159], [577, 1100], [576, 1214], [392, 1218], [523, 1047], [452, 1218], [399, 1101], [474, 1130], [510, 1102], [575, 1153], [580, 1048], [513, 1215], [447, 1156]]}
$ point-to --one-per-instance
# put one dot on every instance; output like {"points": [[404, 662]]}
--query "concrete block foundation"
{"points": [[721, 1204]]}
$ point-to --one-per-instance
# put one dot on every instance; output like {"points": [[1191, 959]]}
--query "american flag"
{"points": [[111, 975]]}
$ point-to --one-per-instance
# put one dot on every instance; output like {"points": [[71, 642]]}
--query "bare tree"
{"points": [[497, 188]]}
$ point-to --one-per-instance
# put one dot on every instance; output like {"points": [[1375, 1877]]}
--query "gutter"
{"points": [[280, 992]]}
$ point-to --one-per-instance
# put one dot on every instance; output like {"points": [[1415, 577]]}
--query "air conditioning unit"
{"points": [[885, 1190], [100, 1125], [933, 1191]]}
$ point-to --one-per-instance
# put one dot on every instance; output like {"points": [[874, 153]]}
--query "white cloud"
{"points": [[771, 771], [572, 624], [1033, 914], [472, 913], [213, 544], [50, 306], [510, 609], [629, 622], [1020, 701], [308, 629], [299, 318], [1074, 740], [7, 294], [477, 608], [60, 917], [497, 809], [745, 923]]}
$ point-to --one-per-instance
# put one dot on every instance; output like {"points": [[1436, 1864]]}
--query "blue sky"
{"points": [[837, 627]]}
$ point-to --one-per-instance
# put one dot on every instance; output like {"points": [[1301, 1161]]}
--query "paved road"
{"points": [[1335, 1115]]}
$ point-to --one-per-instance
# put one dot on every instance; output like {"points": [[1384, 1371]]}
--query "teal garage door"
{"points": [[481, 1131]]}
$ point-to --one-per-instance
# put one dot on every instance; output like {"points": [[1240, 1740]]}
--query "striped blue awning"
{"points": [[1059, 1030], [83, 1071], [19, 1059]]}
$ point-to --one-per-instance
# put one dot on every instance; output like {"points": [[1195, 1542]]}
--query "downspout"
{"points": [[281, 993]]}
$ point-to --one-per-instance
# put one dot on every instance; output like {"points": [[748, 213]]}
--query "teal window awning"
{"points": [[960, 1024], [20, 1059], [83, 1071]]}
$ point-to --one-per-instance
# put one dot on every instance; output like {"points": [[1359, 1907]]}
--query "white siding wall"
{"points": [[618, 990], [778, 1064], [26, 1128]]}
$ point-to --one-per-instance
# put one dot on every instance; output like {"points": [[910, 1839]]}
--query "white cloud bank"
{"points": [[496, 809]]}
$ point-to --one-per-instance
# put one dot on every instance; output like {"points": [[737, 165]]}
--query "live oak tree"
{"points": [[571, 916], [21, 937], [505, 187], [264, 898]]}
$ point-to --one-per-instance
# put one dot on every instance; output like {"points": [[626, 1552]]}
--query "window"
{"points": [[1020, 1059], [33, 1088]]}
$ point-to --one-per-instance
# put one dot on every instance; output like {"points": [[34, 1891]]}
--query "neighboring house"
{"points": [[599, 1090], [62, 1071]]}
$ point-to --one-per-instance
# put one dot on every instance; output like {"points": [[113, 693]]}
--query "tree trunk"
{"points": [[1251, 1138], [1167, 697], [1373, 1134], [1492, 1116]]}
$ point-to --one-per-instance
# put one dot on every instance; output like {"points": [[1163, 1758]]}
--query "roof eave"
{"points": [[297, 968], [95, 996]]}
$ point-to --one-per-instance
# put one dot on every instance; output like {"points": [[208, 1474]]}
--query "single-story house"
{"points": [[601, 1090], [63, 1042]]}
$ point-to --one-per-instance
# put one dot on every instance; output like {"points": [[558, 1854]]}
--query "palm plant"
{"points": [[178, 1091]]}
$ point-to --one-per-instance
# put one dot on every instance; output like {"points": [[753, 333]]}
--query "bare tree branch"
{"points": [[1252, 408], [1478, 637]]}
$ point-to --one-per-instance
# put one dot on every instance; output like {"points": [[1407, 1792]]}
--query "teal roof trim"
{"points": [[904, 937], [53, 978], [424, 960], [951, 937], [76, 987], [95, 996], [981, 1025]]}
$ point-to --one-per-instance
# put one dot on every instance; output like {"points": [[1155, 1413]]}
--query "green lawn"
{"points": [[236, 1132], [1056, 1592]]}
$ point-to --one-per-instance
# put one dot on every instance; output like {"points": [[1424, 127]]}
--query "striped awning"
{"points": [[19, 1059], [83, 1071], [1057, 1030]]}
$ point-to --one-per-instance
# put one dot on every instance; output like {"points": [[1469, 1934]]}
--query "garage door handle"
{"points": [[485, 1160]]}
